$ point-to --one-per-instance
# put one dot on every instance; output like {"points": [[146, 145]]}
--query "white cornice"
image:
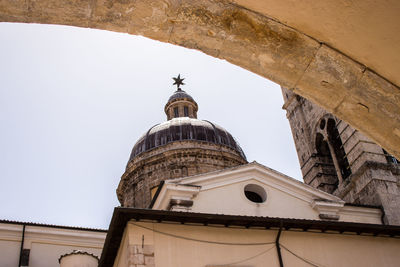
{"points": [[327, 208], [362, 211], [177, 191]]}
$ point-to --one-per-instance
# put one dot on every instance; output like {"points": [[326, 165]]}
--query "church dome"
{"points": [[179, 94], [181, 146], [185, 129]]}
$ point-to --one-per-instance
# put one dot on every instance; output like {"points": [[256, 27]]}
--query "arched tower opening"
{"points": [[337, 149], [331, 182]]}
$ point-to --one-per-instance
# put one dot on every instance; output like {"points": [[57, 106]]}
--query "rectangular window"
{"points": [[176, 112], [186, 111]]}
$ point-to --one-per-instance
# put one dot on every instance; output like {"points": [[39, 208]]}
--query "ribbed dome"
{"points": [[185, 129], [179, 94]]}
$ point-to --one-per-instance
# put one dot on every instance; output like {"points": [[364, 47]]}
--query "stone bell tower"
{"points": [[338, 159]]}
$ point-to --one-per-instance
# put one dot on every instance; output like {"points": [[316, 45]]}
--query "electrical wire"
{"points": [[244, 260], [231, 244], [203, 241], [303, 259]]}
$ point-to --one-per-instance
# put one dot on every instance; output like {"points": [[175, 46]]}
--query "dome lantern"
{"points": [[180, 104]]}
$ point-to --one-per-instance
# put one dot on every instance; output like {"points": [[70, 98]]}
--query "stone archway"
{"points": [[279, 40]]}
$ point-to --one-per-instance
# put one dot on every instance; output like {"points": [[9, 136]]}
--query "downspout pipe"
{"points": [[383, 215], [22, 245], [278, 247]]}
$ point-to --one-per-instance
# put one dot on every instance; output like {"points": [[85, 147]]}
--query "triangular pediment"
{"points": [[251, 189], [262, 174]]}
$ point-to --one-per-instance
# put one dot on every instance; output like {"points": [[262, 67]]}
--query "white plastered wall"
{"points": [[176, 246], [230, 199]]}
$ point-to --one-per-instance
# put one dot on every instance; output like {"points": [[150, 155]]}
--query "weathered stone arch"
{"points": [[244, 35]]}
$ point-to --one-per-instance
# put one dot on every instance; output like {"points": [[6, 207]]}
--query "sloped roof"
{"points": [[53, 226]]}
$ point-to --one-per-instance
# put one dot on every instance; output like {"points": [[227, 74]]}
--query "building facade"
{"points": [[246, 214], [154, 238], [43, 245], [250, 215], [190, 198], [338, 159]]}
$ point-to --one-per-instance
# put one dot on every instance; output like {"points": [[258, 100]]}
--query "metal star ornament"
{"points": [[178, 82]]}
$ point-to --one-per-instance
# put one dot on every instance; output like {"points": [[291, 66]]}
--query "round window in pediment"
{"points": [[255, 193]]}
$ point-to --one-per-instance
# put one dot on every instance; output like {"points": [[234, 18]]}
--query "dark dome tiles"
{"points": [[180, 94], [181, 129]]}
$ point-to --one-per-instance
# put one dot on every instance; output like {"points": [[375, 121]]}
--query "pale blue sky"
{"points": [[74, 101]]}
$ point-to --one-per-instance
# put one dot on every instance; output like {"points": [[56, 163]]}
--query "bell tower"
{"points": [[338, 159]]}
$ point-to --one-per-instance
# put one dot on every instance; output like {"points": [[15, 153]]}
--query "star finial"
{"points": [[178, 82]]}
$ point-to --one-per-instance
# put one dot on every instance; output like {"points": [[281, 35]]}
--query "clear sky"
{"points": [[74, 101]]}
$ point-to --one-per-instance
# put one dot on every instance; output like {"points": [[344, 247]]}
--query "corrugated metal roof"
{"points": [[53, 226]]}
